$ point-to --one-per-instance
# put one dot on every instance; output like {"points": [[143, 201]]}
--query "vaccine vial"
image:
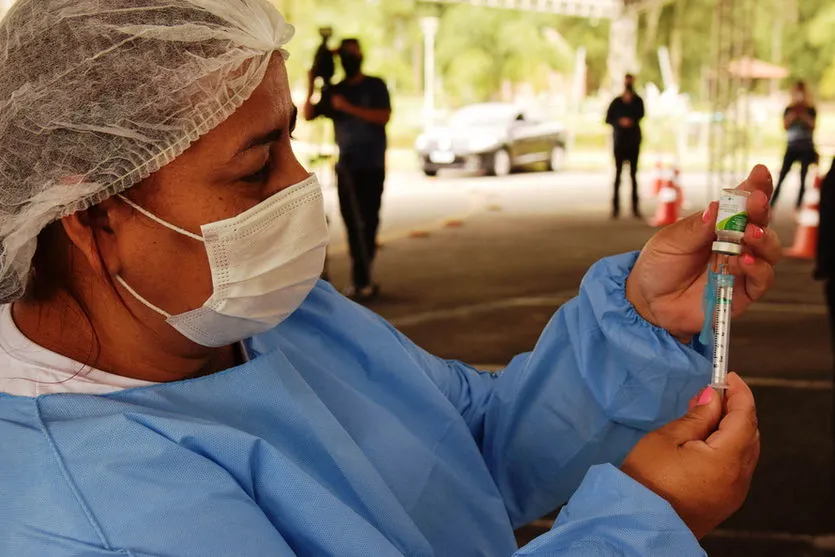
{"points": [[732, 219]]}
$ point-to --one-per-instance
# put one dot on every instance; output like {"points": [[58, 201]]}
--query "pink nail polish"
{"points": [[748, 259], [706, 215], [759, 233], [705, 397]]}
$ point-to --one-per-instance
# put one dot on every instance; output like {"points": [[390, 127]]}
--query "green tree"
{"points": [[593, 35], [820, 37], [479, 49]]}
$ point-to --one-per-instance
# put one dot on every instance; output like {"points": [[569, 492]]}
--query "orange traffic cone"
{"points": [[668, 204], [658, 183], [676, 183], [806, 238]]}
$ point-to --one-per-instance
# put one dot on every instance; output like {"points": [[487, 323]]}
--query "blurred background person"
{"points": [[360, 107], [799, 120], [625, 115]]}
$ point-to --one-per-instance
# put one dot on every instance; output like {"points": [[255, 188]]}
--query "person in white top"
{"points": [[28, 369]]}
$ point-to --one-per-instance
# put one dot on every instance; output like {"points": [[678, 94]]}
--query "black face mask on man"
{"points": [[351, 63]]}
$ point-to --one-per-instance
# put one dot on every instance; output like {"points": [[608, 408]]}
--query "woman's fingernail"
{"points": [[759, 233], [748, 259], [706, 215], [705, 397]]}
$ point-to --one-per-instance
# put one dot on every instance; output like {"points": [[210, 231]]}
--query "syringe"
{"points": [[723, 282], [730, 230]]}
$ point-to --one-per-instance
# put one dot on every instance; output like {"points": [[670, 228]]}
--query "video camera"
{"points": [[323, 70]]}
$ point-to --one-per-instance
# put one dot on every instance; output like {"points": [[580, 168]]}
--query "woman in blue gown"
{"points": [[176, 382]]}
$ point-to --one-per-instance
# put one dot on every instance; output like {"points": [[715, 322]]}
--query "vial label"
{"points": [[733, 211], [734, 223]]}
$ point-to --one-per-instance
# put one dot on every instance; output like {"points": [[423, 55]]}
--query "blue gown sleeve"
{"points": [[612, 515], [599, 378]]}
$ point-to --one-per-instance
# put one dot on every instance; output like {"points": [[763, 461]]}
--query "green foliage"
{"points": [[480, 49], [794, 33], [821, 28]]}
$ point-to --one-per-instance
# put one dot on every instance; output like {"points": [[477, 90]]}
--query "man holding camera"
{"points": [[360, 107]]}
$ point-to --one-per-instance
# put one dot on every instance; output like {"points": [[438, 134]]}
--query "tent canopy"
{"points": [[751, 68]]}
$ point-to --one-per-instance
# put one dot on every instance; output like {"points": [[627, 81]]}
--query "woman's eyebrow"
{"points": [[272, 136]]}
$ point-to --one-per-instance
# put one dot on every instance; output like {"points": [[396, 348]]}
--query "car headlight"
{"points": [[478, 144], [422, 143]]}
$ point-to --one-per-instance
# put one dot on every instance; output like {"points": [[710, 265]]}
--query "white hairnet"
{"points": [[96, 95]]}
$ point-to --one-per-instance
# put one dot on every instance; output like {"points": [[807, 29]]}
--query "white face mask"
{"points": [[264, 263]]}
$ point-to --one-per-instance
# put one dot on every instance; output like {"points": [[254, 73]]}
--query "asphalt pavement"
{"points": [[472, 268]]}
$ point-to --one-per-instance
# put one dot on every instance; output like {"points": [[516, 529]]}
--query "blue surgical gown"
{"points": [[342, 438]]}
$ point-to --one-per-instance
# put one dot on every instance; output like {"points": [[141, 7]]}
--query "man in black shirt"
{"points": [[360, 109], [625, 115]]}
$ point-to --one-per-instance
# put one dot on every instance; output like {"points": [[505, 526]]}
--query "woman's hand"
{"points": [[668, 281], [703, 472]]}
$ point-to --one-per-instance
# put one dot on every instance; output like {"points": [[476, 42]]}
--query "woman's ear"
{"points": [[92, 235]]}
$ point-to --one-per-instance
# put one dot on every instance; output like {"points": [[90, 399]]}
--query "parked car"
{"points": [[496, 138]]}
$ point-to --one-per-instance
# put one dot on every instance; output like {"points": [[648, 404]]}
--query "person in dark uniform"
{"points": [[825, 264], [799, 120], [360, 107], [625, 115]]}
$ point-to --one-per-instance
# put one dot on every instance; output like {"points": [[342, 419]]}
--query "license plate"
{"points": [[442, 157]]}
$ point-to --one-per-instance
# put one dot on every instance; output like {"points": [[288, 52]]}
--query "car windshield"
{"points": [[483, 115]]}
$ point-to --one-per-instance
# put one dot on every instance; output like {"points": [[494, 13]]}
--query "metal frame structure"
{"points": [[603, 9], [729, 139]]}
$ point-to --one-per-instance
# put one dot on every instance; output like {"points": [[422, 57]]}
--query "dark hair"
{"points": [[50, 265], [351, 41], [629, 76], [801, 85], [51, 271]]}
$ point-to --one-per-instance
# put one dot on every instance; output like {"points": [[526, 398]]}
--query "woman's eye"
{"points": [[259, 176]]}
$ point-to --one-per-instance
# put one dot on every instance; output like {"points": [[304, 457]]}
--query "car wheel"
{"points": [[556, 161], [501, 165], [430, 173]]}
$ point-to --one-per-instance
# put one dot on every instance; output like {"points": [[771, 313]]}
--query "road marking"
{"points": [[780, 307], [563, 297], [761, 382], [819, 542], [797, 384]]}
